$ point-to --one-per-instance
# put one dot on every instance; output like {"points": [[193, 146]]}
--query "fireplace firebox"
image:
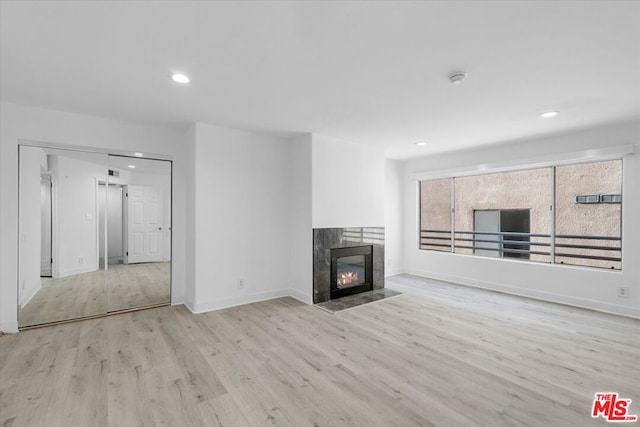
{"points": [[351, 271]]}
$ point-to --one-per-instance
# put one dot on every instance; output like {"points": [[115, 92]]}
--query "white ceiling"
{"points": [[368, 72], [147, 166]]}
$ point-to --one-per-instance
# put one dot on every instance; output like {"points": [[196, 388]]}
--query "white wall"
{"points": [[191, 218], [33, 161], [240, 202], [253, 201], [585, 287], [76, 210], [300, 227], [348, 184], [19, 122], [393, 218]]}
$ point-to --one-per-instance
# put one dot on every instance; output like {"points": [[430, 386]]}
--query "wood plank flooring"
{"points": [[444, 355], [120, 287]]}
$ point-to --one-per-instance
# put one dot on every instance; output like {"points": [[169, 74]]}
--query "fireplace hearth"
{"points": [[347, 261]]}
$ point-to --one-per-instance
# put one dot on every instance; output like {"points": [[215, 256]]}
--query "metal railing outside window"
{"points": [[609, 250]]}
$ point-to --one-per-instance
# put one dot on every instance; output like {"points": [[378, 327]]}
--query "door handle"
{"points": [[159, 228]]}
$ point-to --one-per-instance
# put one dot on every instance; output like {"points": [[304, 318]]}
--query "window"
{"points": [[508, 194], [435, 215], [589, 234], [515, 215]]}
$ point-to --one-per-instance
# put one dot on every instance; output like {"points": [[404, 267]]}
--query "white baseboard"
{"points": [[189, 305], [12, 327], [529, 293], [307, 299], [177, 300], [9, 327], [235, 301], [246, 299], [393, 272], [79, 270]]}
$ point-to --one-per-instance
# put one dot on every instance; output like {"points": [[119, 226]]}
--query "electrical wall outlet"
{"points": [[240, 283], [80, 260], [623, 292]]}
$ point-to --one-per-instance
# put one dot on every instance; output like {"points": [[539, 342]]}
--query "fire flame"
{"points": [[347, 278]]}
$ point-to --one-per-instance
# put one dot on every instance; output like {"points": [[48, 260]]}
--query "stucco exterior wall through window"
{"points": [[532, 189]]}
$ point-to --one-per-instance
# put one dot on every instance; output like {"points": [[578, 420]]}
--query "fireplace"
{"points": [[351, 271], [346, 261]]}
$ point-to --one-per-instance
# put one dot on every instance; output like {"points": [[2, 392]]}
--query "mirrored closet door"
{"points": [[95, 234], [137, 238]]}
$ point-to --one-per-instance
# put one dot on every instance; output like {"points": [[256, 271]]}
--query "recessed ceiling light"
{"points": [[132, 166], [457, 78], [137, 154], [420, 143], [180, 78], [549, 114]]}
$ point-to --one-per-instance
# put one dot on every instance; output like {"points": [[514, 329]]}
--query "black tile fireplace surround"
{"points": [[361, 240]]}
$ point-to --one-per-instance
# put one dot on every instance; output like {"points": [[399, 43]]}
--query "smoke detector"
{"points": [[457, 78]]}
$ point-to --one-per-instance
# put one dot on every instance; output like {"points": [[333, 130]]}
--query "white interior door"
{"points": [[145, 227]]}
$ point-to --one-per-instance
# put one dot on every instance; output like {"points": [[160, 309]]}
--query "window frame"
{"points": [[451, 175]]}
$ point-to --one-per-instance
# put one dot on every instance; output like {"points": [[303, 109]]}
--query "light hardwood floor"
{"points": [[445, 355], [119, 288]]}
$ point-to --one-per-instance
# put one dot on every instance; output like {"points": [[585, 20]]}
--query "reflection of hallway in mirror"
{"points": [[79, 254], [82, 295], [110, 208]]}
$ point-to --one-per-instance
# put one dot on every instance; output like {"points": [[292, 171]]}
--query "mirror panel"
{"points": [[138, 233], [94, 234], [59, 275]]}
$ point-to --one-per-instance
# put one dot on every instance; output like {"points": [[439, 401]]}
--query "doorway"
{"points": [[46, 220], [110, 212], [144, 227]]}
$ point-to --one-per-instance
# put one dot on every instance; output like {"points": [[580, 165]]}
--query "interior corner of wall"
{"points": [[300, 296], [187, 303]]}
